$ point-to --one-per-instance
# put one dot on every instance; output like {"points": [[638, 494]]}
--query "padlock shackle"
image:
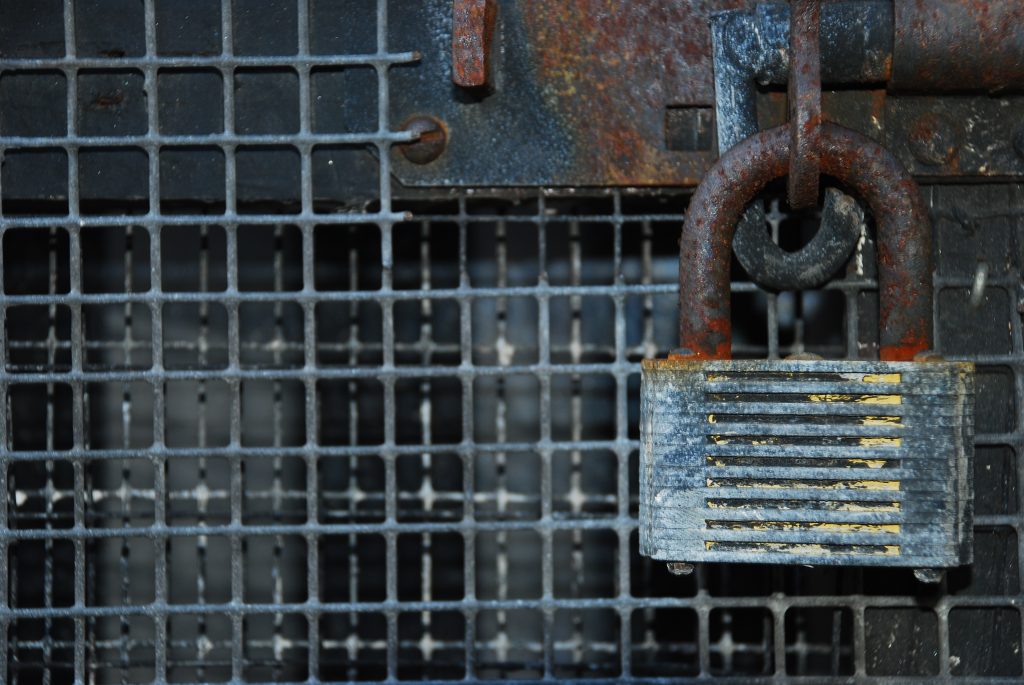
{"points": [[903, 236]]}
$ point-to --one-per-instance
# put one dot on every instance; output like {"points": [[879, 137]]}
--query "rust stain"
{"points": [[957, 44], [904, 249], [906, 351], [109, 100], [472, 35], [613, 68]]}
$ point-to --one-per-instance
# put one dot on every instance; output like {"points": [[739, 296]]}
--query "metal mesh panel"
{"points": [[257, 436]]}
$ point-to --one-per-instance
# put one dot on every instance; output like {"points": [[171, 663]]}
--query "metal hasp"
{"points": [[802, 48], [808, 462], [940, 46]]}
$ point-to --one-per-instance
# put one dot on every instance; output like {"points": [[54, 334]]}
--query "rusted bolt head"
{"points": [[433, 137], [934, 140]]}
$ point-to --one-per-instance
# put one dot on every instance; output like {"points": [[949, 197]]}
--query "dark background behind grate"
{"points": [[263, 426]]}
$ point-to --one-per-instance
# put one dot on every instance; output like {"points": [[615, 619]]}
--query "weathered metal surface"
{"points": [[933, 138], [472, 37], [807, 462], [944, 45], [804, 103], [857, 43], [754, 47], [904, 238], [955, 135], [580, 92], [523, 132], [815, 263], [577, 93]]}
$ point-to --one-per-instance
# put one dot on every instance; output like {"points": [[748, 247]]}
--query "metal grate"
{"points": [[262, 426]]}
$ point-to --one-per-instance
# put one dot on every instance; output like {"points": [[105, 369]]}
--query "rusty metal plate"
{"points": [[596, 94], [809, 462], [582, 93]]}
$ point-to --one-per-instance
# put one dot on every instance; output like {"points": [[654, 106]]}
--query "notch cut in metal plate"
{"points": [[856, 463]]}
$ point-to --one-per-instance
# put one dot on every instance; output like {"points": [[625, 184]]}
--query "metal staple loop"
{"points": [[804, 103], [765, 262]]}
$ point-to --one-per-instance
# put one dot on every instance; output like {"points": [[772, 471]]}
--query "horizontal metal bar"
{"points": [[225, 61], [465, 526], [224, 140], [314, 450], [623, 603]]}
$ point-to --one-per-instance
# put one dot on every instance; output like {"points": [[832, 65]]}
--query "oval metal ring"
{"points": [[903, 232], [770, 266]]}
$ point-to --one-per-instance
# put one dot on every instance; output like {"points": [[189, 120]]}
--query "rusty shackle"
{"points": [[903, 234]]}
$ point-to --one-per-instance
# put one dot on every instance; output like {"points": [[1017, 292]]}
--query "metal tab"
{"points": [[808, 462]]}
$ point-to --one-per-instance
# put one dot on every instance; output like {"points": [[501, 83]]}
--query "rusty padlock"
{"points": [[865, 463]]}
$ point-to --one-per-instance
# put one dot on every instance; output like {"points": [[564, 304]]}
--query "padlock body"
{"points": [[857, 463]]}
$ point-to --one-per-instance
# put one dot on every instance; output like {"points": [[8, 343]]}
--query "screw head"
{"points": [[929, 575], [433, 138], [934, 140], [680, 568]]}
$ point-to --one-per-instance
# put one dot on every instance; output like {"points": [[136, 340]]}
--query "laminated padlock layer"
{"points": [[811, 462]]}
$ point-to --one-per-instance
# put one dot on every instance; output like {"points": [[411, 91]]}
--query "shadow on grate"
{"points": [[469, 496]]}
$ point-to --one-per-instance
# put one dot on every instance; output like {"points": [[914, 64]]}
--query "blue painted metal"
{"points": [[807, 462]]}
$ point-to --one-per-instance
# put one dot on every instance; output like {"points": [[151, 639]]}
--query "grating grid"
{"points": [[255, 441]]}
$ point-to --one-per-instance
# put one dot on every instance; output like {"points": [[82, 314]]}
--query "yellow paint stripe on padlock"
{"points": [[881, 442], [804, 548], [859, 399], [828, 505], [784, 462], [793, 484], [869, 463], [882, 378], [882, 421], [891, 528]]}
